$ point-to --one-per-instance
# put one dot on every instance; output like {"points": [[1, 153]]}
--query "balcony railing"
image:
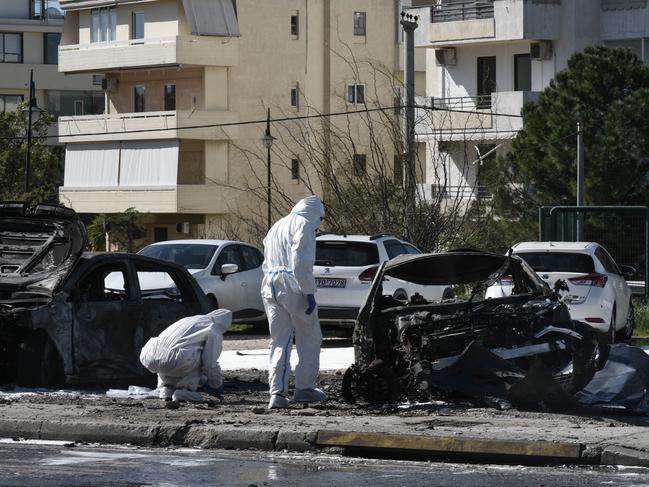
{"points": [[124, 43], [450, 12], [466, 103]]}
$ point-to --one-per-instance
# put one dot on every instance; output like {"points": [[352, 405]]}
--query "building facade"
{"points": [[486, 59], [183, 81], [30, 31]]}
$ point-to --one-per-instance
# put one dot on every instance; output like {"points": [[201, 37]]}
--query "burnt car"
{"points": [[78, 318], [522, 349]]}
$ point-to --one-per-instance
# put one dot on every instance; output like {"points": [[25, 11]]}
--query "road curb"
{"points": [[271, 439]]}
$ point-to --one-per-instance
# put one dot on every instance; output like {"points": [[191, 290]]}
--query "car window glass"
{"points": [[252, 258], [558, 261], [394, 248], [190, 256], [607, 261], [228, 255], [348, 254], [410, 249], [104, 283], [162, 285]]}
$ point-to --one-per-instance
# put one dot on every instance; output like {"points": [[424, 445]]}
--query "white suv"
{"points": [[597, 293], [345, 267]]}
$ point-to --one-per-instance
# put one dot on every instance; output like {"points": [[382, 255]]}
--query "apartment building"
{"points": [[30, 31], [490, 57], [175, 68]]}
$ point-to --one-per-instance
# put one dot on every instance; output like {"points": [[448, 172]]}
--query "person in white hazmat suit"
{"points": [[185, 356], [288, 290]]}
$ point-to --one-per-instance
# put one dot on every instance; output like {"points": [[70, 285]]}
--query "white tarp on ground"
{"points": [[149, 164], [330, 359], [92, 165], [212, 17]]}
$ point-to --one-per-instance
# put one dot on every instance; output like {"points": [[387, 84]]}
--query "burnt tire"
{"points": [[376, 384], [588, 356], [38, 362]]}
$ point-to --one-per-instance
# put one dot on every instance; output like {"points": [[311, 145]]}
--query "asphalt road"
{"points": [[25, 464]]}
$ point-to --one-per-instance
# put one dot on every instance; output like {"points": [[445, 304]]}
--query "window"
{"points": [[607, 261], [355, 94], [98, 79], [9, 103], [295, 97], [360, 24], [103, 24], [558, 262], [11, 47], [295, 25], [170, 97], [341, 253], [137, 25], [46, 9], [160, 234], [394, 248], [78, 108], [229, 255], [486, 80], [522, 72], [190, 256], [105, 283], [160, 284], [51, 42], [295, 169], [251, 257], [360, 164], [138, 99], [67, 103]]}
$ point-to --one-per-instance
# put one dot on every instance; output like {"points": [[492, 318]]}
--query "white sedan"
{"points": [[229, 272], [597, 292]]}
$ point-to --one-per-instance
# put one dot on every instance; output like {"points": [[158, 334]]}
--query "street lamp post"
{"points": [[32, 102], [268, 140]]}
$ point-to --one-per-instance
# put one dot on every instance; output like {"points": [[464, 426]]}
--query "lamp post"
{"points": [[32, 104], [268, 140]]}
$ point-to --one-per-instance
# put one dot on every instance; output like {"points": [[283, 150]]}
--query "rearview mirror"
{"points": [[229, 269], [627, 271]]}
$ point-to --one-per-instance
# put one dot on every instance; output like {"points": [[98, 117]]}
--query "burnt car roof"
{"points": [[458, 267]]}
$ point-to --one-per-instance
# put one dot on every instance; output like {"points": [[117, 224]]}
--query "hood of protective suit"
{"points": [[222, 319], [310, 208]]}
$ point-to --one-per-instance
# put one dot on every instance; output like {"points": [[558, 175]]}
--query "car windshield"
{"points": [[348, 254], [190, 256], [559, 262]]}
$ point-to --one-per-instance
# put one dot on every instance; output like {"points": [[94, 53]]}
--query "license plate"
{"points": [[329, 282]]}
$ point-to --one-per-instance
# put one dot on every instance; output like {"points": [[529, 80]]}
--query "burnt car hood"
{"points": [[446, 268], [39, 245]]}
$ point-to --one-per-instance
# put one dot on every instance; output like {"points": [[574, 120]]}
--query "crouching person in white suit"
{"points": [[185, 356]]}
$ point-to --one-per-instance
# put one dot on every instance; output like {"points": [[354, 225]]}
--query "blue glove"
{"points": [[311, 300], [216, 392]]}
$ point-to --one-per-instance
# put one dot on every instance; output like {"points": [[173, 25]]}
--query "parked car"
{"points": [[591, 283], [345, 266], [512, 347], [229, 272], [61, 320]]}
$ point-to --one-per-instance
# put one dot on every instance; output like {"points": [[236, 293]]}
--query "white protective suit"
{"points": [[185, 355], [289, 251]]}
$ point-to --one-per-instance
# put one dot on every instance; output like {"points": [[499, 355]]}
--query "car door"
{"points": [[107, 323], [621, 289], [232, 290], [252, 276]]}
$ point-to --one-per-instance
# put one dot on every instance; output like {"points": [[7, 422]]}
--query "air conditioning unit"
{"points": [[183, 227], [446, 56], [541, 50], [109, 84]]}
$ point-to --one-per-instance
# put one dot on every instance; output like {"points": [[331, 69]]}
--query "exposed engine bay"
{"points": [[522, 349]]}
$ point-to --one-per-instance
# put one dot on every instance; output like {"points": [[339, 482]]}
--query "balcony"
{"points": [[479, 21], [187, 50], [190, 198], [182, 124]]}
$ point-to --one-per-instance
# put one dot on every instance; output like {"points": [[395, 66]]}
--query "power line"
{"points": [[256, 122]]}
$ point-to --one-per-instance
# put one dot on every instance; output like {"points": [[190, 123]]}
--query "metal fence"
{"points": [[449, 12], [461, 102], [622, 230]]}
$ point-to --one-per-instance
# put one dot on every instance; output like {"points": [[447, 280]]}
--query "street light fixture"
{"points": [[32, 108], [268, 140]]}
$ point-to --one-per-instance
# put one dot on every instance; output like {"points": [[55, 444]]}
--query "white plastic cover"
{"points": [[91, 165], [149, 164], [212, 17]]}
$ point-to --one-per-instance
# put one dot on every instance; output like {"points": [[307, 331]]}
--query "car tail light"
{"points": [[598, 280], [368, 274]]}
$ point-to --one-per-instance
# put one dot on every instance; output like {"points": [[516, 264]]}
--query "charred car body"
{"points": [[523, 348], [63, 318]]}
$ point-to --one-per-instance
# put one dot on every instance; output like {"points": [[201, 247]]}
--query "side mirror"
{"points": [[627, 271], [228, 269]]}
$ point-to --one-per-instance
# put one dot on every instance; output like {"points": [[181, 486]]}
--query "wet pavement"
{"points": [[55, 464]]}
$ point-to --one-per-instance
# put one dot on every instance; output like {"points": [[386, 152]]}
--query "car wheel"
{"points": [[39, 363], [629, 326], [213, 301]]}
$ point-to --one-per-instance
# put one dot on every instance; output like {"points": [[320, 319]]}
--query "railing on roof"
{"points": [[449, 12], [467, 103]]}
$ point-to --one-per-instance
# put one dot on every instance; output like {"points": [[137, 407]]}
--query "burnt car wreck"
{"points": [[78, 318], [523, 349]]}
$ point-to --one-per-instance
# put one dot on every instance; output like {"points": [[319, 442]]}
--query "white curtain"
{"points": [[91, 165], [149, 164]]}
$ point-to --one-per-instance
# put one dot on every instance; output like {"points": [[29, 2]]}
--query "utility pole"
{"points": [[580, 181], [32, 95], [268, 140], [409, 24]]}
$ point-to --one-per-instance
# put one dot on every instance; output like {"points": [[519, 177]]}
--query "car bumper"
{"points": [[343, 316]]}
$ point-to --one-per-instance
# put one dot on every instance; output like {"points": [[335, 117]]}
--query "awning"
{"points": [[212, 17], [91, 165], [148, 164]]}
